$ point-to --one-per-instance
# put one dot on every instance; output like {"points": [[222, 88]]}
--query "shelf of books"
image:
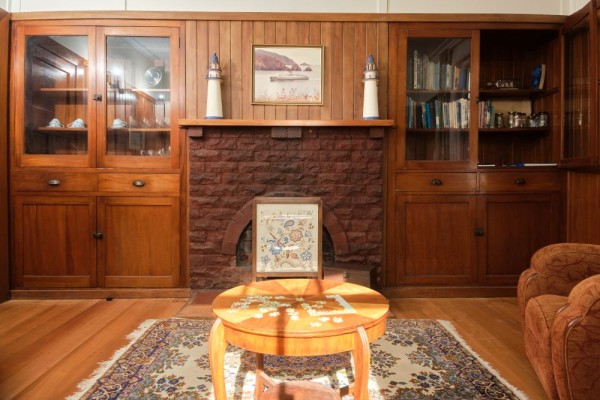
{"points": [[438, 98]]}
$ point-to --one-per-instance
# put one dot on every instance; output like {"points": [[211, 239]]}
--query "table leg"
{"points": [[216, 353], [362, 360], [260, 386]]}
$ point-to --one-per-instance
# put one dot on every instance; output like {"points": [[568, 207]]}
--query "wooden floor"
{"points": [[48, 346]]}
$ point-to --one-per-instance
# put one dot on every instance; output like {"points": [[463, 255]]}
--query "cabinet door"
{"points": [[54, 246], [139, 69], [54, 114], [435, 240], [579, 139], [140, 247], [438, 110], [514, 227]]}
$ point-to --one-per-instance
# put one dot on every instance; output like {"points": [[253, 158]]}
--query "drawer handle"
{"points": [[139, 183], [54, 182], [520, 181], [436, 182]]}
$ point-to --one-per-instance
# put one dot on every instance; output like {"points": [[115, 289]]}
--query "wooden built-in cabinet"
{"points": [[95, 165], [472, 199]]}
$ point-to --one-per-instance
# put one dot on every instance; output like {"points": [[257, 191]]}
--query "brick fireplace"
{"points": [[229, 166]]}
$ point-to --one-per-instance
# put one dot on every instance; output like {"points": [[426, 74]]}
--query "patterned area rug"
{"points": [[415, 359]]}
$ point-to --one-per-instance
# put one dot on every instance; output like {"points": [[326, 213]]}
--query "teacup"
{"points": [[55, 123], [78, 123], [117, 123]]}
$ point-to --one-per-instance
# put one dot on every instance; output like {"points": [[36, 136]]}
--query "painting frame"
{"points": [[287, 237], [287, 74]]}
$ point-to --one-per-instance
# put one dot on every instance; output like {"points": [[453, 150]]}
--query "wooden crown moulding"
{"points": [[281, 16], [286, 128]]}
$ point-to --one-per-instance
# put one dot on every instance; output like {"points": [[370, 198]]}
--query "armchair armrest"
{"points": [[556, 269], [576, 342]]}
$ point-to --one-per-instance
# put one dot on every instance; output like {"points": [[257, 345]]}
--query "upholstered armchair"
{"points": [[559, 301]]}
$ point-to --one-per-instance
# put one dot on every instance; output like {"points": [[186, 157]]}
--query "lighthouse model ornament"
{"points": [[371, 77], [214, 105]]}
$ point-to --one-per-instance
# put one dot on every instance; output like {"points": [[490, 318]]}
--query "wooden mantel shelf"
{"points": [[287, 128], [186, 123]]}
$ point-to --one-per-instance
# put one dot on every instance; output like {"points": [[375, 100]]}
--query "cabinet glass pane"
{"points": [[437, 100], [138, 96], [56, 95], [577, 97]]}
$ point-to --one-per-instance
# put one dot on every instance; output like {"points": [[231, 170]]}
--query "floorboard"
{"points": [[48, 346]]}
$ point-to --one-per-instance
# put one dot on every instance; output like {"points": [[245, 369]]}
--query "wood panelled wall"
{"points": [[346, 47], [4, 39], [583, 207]]}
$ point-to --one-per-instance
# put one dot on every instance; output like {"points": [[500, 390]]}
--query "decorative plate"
{"points": [[153, 76]]}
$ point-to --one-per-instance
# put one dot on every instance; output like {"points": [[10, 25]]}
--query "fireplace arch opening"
{"points": [[243, 250]]}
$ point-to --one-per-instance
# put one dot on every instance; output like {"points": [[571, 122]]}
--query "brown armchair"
{"points": [[559, 301]]}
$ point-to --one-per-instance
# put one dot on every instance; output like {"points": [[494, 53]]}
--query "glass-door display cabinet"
{"points": [[95, 166], [438, 114], [579, 146], [54, 112], [138, 113], [96, 97]]}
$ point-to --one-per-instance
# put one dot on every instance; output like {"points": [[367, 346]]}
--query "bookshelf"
{"points": [[438, 98]]}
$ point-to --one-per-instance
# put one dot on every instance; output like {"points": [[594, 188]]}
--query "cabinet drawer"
{"points": [[511, 181], [436, 182], [139, 183], [54, 181]]}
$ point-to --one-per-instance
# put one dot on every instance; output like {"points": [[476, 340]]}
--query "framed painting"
{"points": [[286, 237], [287, 74]]}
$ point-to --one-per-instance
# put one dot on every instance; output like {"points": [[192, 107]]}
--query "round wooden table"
{"points": [[297, 317]]}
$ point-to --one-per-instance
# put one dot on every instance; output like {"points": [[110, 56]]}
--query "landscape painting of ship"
{"points": [[287, 74]]}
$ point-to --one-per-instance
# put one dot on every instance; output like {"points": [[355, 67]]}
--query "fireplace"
{"points": [[229, 166]]}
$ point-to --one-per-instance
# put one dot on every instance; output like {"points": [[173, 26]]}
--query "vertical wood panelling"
{"points": [[583, 207], [191, 73], [348, 71], [235, 67], [227, 88], [199, 65], [337, 69], [346, 46], [383, 64], [245, 68], [360, 47], [327, 29]]}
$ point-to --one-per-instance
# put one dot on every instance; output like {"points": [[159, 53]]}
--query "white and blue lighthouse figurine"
{"points": [[214, 104], [371, 78]]}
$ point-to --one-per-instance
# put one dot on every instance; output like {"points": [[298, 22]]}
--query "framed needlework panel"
{"points": [[287, 237]]}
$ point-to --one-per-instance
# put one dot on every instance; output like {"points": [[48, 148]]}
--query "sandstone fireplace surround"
{"points": [[230, 165]]}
